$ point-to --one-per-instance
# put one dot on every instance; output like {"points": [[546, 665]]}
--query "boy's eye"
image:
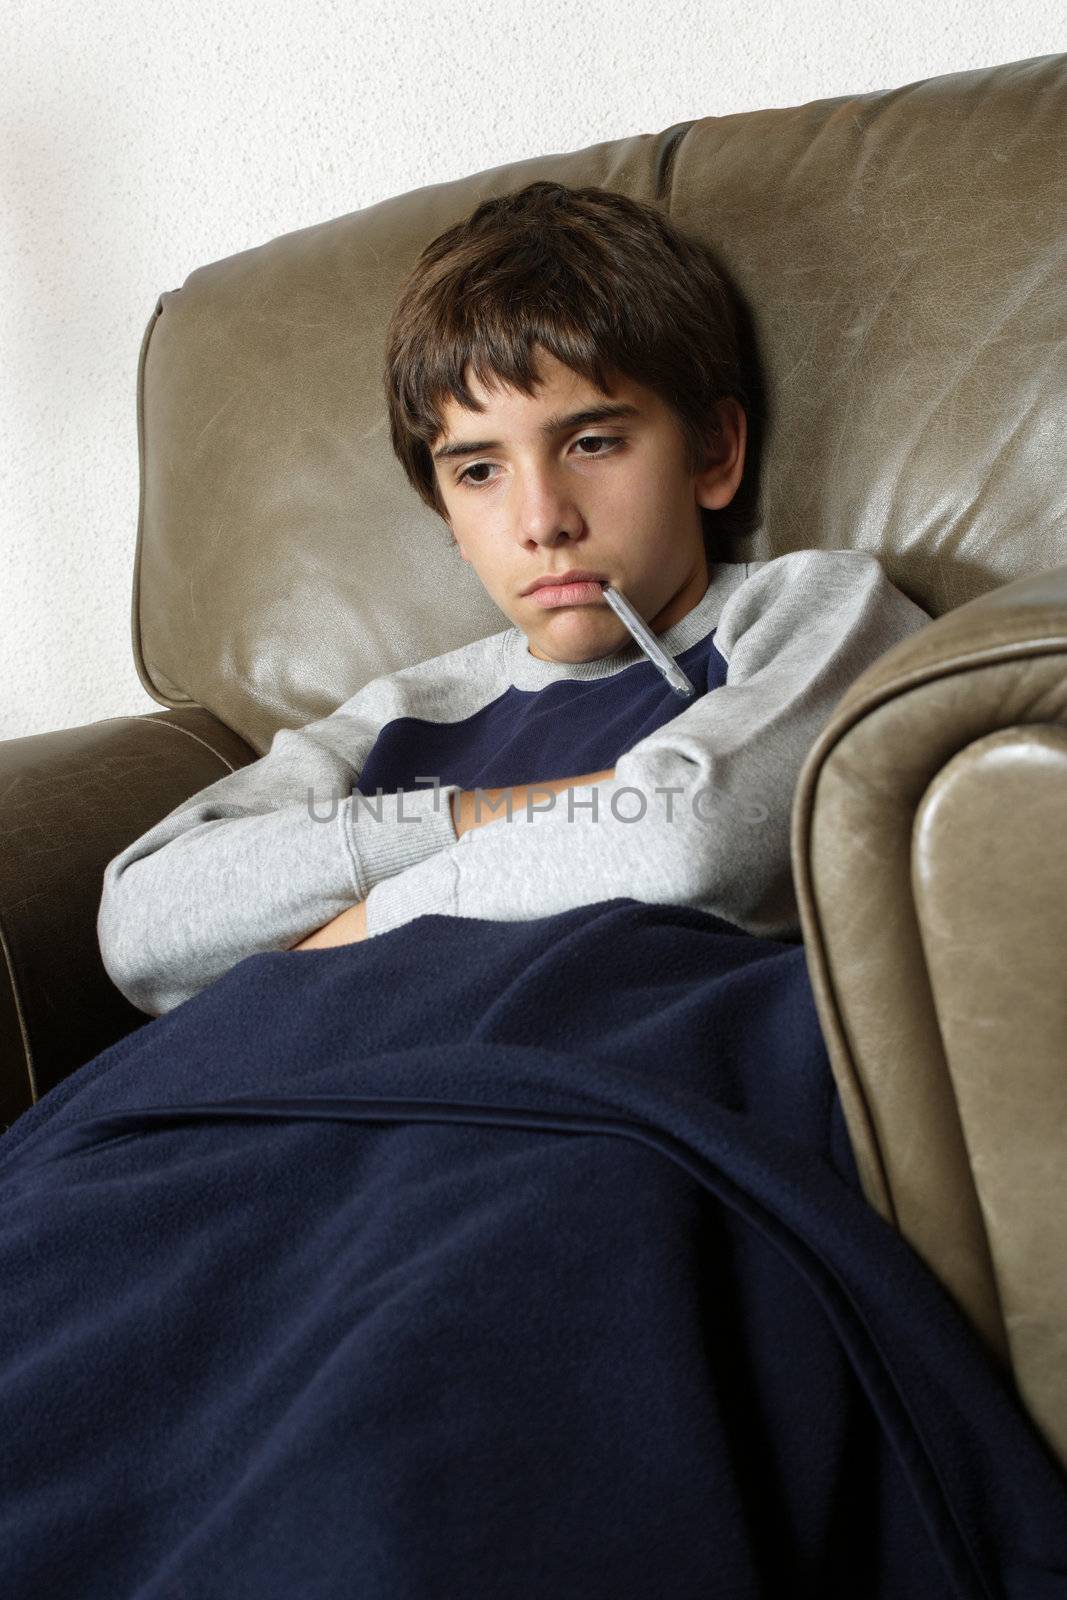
{"points": [[586, 438]]}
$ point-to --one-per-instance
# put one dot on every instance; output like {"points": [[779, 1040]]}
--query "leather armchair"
{"points": [[898, 256]]}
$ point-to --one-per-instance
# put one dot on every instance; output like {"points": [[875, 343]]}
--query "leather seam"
{"points": [[21, 1015], [174, 727]]}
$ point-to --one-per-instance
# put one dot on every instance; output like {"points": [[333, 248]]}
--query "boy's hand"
{"points": [[347, 928]]}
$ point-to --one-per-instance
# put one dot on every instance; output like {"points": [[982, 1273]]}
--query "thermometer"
{"points": [[648, 642]]}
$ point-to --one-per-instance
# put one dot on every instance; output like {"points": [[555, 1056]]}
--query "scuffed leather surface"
{"points": [[902, 251], [69, 801], [957, 728]]}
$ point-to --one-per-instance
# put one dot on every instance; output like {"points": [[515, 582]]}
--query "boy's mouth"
{"points": [[559, 580], [582, 593]]}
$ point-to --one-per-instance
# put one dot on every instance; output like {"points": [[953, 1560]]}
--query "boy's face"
{"points": [[525, 500]]}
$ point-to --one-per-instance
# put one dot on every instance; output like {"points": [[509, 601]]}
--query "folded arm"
{"points": [[471, 808]]}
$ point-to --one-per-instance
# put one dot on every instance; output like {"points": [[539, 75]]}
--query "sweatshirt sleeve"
{"points": [[698, 812], [264, 856]]}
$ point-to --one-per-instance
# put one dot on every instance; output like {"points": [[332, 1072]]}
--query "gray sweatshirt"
{"points": [[356, 806]]}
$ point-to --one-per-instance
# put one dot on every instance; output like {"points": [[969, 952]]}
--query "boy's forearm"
{"points": [[473, 808]]}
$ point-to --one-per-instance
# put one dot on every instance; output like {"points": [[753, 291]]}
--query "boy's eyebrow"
{"points": [[557, 424]]}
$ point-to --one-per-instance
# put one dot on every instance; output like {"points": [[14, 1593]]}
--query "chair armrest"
{"points": [[69, 802], [931, 882]]}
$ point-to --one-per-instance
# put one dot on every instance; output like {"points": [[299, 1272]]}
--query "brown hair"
{"points": [[605, 283]]}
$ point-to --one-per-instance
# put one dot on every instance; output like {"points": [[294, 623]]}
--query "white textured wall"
{"points": [[141, 138]]}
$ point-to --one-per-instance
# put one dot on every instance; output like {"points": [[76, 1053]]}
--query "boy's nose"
{"points": [[544, 511]]}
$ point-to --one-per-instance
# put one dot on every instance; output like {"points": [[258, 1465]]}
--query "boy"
{"points": [[564, 391]]}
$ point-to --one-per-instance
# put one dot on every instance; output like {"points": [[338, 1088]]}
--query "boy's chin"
{"points": [[568, 652]]}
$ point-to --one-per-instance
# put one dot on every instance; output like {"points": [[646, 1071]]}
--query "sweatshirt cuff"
{"points": [[423, 890], [389, 833]]}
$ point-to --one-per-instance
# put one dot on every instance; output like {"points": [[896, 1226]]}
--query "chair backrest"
{"points": [[899, 255]]}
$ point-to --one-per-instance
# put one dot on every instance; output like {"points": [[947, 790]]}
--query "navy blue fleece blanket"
{"points": [[498, 1260]]}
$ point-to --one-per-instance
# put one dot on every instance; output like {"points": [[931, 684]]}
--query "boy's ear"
{"points": [[447, 520], [459, 544], [717, 483]]}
